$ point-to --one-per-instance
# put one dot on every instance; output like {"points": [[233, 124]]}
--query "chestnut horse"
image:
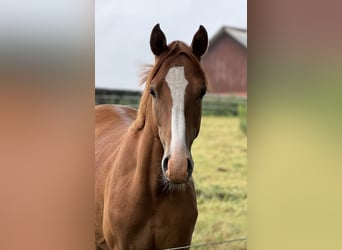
{"points": [[145, 196]]}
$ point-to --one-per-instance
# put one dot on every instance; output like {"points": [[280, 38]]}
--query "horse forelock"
{"points": [[176, 48]]}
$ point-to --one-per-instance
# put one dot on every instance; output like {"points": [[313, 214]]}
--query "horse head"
{"points": [[176, 86]]}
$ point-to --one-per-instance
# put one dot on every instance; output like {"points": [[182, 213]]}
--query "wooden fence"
{"points": [[107, 96], [221, 105]]}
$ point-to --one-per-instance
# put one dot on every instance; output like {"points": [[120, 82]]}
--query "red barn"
{"points": [[225, 62]]}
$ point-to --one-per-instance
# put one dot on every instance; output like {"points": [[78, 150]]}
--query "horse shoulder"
{"points": [[111, 123]]}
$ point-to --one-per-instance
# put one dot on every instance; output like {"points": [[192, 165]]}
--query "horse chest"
{"points": [[174, 222], [156, 223]]}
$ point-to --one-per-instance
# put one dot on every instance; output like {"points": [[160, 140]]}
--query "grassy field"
{"points": [[220, 174]]}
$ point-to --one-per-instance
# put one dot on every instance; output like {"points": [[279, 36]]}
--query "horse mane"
{"points": [[149, 71]]}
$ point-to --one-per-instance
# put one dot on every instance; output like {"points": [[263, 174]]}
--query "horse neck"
{"points": [[149, 158]]}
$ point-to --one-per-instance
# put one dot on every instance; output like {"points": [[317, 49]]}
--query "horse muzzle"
{"points": [[177, 168]]}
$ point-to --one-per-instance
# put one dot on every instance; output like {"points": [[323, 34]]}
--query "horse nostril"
{"points": [[190, 167], [165, 164]]}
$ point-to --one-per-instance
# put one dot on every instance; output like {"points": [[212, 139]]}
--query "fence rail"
{"points": [[207, 244], [220, 105]]}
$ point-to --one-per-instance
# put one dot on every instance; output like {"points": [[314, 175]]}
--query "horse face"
{"points": [[177, 92]]}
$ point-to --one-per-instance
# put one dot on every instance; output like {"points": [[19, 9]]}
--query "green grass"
{"points": [[220, 174]]}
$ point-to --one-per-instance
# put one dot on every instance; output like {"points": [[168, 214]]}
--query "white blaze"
{"points": [[177, 83]]}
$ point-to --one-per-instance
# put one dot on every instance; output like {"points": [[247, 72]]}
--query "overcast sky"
{"points": [[123, 30]]}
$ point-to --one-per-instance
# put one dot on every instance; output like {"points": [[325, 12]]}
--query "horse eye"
{"points": [[203, 92], [153, 93]]}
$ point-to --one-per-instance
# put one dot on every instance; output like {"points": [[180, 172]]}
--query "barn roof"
{"points": [[240, 35]]}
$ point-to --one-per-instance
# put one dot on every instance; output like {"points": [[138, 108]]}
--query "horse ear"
{"points": [[200, 42], [157, 40]]}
